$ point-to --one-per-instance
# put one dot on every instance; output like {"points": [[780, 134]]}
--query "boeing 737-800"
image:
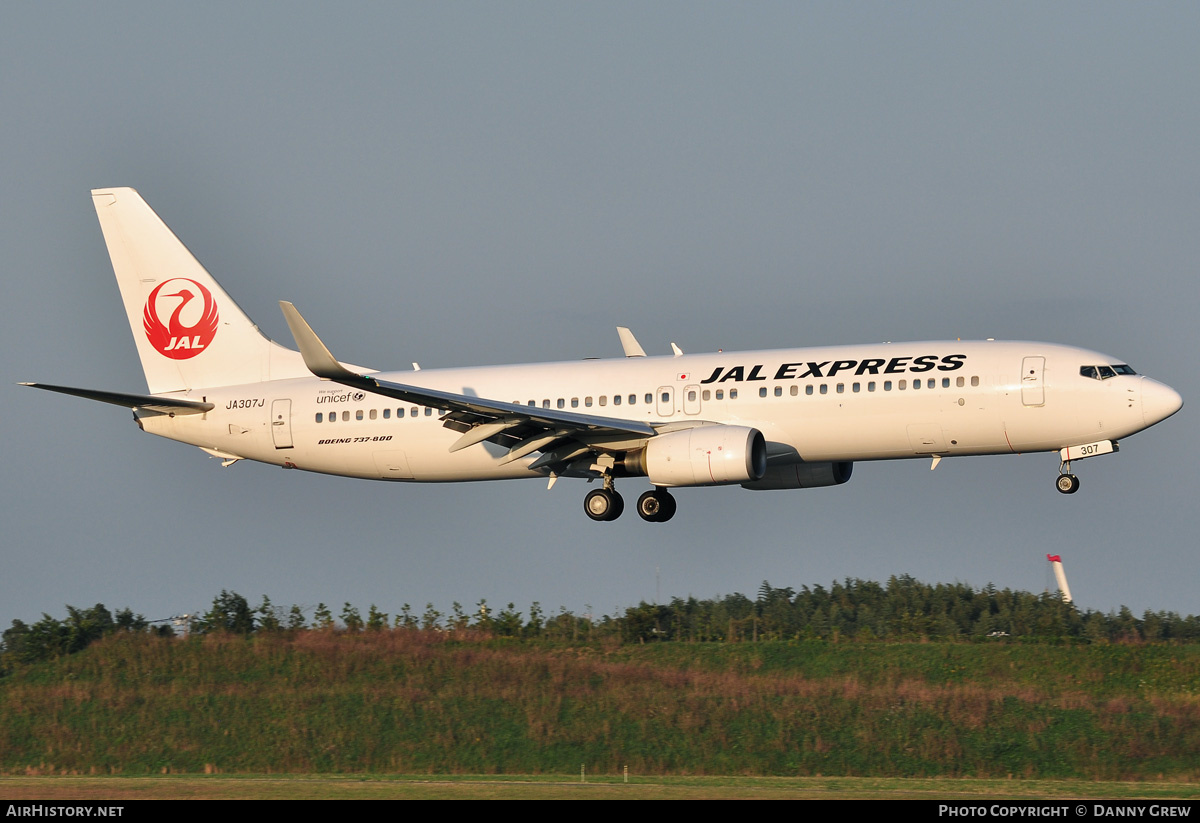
{"points": [[781, 419]]}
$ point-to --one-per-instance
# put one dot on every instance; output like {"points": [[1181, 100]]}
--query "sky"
{"points": [[465, 184]]}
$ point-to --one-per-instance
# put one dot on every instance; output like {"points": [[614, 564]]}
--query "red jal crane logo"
{"points": [[174, 339]]}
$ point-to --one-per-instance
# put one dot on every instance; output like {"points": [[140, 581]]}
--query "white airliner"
{"points": [[781, 419]]}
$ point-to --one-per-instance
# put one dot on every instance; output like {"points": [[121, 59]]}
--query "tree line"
{"points": [[851, 610]]}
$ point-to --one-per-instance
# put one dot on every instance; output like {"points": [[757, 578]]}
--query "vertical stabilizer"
{"points": [[189, 332]]}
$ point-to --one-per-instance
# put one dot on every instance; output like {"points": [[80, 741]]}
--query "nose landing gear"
{"points": [[1066, 482]]}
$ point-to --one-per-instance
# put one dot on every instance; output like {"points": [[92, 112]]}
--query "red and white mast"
{"points": [[1060, 576]]}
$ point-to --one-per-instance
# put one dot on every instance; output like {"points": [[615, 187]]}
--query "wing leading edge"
{"points": [[560, 435]]}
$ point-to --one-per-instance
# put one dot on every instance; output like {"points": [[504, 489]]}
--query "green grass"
{"points": [[407, 702], [561, 787]]}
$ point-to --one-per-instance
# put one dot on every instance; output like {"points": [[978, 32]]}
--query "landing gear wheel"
{"points": [[602, 504], [649, 507], [668, 506], [1067, 483], [656, 506]]}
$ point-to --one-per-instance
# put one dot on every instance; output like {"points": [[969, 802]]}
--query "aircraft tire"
{"points": [[668, 506], [1067, 483], [649, 507], [618, 506], [602, 505], [656, 506]]}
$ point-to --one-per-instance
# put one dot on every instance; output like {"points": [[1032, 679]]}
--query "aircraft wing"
{"points": [[562, 436]]}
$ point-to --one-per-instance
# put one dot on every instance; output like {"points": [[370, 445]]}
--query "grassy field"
{"points": [[411, 702], [542, 787]]}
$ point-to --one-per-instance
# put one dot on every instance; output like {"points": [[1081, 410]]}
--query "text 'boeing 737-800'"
{"points": [[779, 419]]}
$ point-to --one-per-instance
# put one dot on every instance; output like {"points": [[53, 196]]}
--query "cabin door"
{"points": [[1033, 389], [281, 423]]}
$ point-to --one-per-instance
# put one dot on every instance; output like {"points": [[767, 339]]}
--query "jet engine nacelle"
{"points": [[802, 476], [705, 456]]}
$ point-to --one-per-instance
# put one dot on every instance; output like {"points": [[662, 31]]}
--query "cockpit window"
{"points": [[1104, 372]]}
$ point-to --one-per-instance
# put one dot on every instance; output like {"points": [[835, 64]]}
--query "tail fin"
{"points": [[189, 332]]}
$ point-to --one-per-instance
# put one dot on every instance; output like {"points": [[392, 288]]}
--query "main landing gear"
{"points": [[656, 506], [603, 504], [1066, 482]]}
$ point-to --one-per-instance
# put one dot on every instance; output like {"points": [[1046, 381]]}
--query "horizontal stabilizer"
{"points": [[166, 405]]}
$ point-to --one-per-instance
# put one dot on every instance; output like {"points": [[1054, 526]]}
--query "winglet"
{"points": [[317, 357], [629, 343]]}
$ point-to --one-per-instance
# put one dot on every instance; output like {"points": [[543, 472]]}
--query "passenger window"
{"points": [[795, 390], [959, 382], [633, 399], [412, 412], [587, 401], [616, 399], [650, 398], [762, 391], [372, 414], [346, 416], [824, 388], [666, 396], [732, 394], [545, 402], [691, 396], [779, 391], [901, 384], [945, 382], [974, 381], [841, 389], [387, 414], [705, 395], [319, 416], [916, 384], [871, 386], [603, 400], [855, 388], [562, 404], [574, 402], [808, 389], [429, 411], [720, 394], [358, 415], [887, 385]]}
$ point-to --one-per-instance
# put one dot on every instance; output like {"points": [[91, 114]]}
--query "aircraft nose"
{"points": [[1159, 401]]}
